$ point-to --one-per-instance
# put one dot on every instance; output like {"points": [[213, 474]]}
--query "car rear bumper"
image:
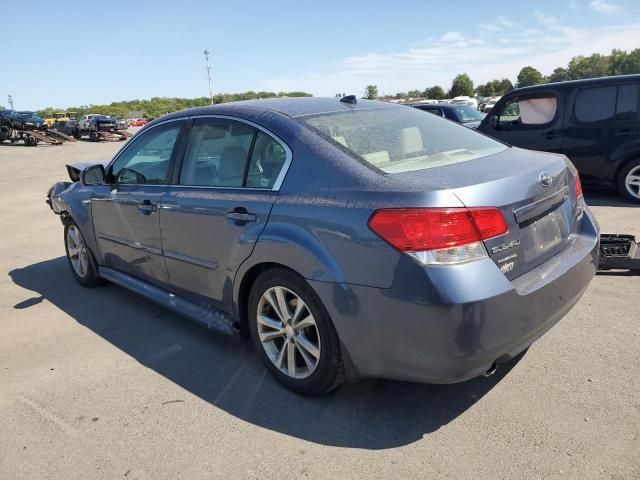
{"points": [[450, 324]]}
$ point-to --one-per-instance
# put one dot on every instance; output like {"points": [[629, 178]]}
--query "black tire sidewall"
{"points": [[328, 373], [622, 187]]}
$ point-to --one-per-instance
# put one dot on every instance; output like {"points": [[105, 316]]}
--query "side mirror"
{"points": [[93, 175], [493, 121]]}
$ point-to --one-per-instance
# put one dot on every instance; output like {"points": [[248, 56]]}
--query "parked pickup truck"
{"points": [[93, 123]]}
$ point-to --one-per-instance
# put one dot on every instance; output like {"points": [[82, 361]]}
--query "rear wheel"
{"points": [[93, 136], [293, 333], [629, 180], [81, 261]]}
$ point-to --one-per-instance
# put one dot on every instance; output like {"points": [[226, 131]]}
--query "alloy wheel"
{"points": [[77, 251], [288, 332], [632, 182]]}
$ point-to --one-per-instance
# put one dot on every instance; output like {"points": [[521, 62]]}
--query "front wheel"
{"points": [[629, 181], [293, 333], [81, 261]]}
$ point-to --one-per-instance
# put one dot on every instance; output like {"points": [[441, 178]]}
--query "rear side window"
{"points": [[226, 153], [627, 103], [217, 154], [600, 104], [596, 104]]}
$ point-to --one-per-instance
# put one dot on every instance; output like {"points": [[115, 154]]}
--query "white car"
{"points": [[465, 100]]}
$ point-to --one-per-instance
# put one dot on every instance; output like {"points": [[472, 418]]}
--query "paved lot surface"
{"points": [[101, 384]]}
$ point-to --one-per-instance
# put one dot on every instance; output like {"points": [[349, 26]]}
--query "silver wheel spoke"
{"points": [[73, 251], [282, 304], [311, 363], [304, 342], [269, 322], [279, 361], [291, 358], [307, 321]]}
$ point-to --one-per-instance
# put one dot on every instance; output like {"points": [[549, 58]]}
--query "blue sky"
{"points": [[87, 52]]}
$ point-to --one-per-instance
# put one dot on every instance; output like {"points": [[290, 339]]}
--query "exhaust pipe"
{"points": [[492, 369]]}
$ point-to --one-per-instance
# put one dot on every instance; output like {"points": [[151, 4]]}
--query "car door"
{"points": [[211, 218], [126, 214], [601, 121], [528, 120]]}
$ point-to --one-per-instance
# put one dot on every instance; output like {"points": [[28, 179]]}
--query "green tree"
{"points": [[623, 63], [505, 86], [529, 76], [593, 66], [461, 85], [559, 75], [414, 93], [435, 93], [371, 92]]}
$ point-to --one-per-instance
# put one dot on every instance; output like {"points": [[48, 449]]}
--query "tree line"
{"points": [[158, 106], [619, 62]]}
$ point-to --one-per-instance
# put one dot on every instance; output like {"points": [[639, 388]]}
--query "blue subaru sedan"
{"points": [[347, 238]]}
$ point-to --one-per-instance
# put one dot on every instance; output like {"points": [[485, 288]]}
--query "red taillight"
{"points": [[578, 186], [421, 229]]}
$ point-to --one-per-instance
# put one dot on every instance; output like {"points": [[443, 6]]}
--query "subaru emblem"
{"points": [[545, 179]]}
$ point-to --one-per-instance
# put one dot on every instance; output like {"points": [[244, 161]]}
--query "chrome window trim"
{"points": [[283, 171]]}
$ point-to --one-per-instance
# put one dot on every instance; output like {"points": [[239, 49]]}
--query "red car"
{"points": [[138, 122]]}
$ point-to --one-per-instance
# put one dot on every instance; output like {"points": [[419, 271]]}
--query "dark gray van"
{"points": [[594, 122]]}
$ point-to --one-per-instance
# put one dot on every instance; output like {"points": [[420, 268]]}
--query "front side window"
{"points": [[401, 139], [519, 111], [146, 161]]}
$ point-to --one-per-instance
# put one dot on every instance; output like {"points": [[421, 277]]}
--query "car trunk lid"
{"points": [[535, 193]]}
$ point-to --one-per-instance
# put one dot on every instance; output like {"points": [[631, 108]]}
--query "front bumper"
{"points": [[450, 324]]}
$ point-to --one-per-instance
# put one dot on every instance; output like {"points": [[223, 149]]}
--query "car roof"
{"points": [[579, 83], [290, 107], [438, 105]]}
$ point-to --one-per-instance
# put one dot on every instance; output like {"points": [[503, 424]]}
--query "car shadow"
{"points": [[226, 372], [607, 198]]}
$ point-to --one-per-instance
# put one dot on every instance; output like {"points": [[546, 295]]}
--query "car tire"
{"points": [[629, 180], [80, 259], [307, 332], [93, 136]]}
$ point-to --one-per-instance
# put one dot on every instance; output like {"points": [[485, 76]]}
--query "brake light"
{"points": [[578, 186], [439, 235]]}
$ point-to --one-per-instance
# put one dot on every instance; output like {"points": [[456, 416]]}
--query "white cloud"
{"points": [[452, 37], [484, 56], [603, 6], [544, 18], [498, 25]]}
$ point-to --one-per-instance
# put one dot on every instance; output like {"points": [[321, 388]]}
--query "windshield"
{"points": [[468, 114], [101, 117], [26, 114], [401, 139]]}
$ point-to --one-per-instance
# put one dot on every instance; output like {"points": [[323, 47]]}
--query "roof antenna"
{"points": [[349, 99]]}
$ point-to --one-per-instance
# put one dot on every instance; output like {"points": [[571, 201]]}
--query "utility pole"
{"points": [[206, 56], [10, 100]]}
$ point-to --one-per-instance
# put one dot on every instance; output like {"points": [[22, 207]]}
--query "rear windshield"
{"points": [[401, 139]]}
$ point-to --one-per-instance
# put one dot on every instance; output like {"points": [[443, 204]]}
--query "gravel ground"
{"points": [[102, 384]]}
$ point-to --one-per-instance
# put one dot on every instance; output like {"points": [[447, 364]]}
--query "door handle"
{"points": [[146, 207], [551, 135], [241, 215], [624, 133]]}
